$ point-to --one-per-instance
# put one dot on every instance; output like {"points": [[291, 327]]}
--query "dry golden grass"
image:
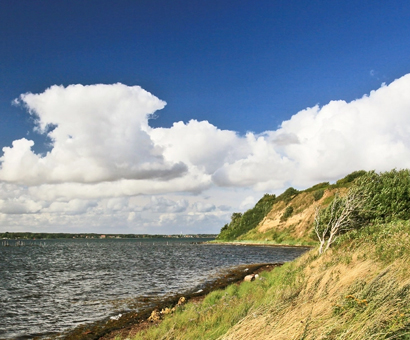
{"points": [[341, 301], [359, 289]]}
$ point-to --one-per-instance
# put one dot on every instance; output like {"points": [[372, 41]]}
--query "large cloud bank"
{"points": [[102, 148], [99, 133]]}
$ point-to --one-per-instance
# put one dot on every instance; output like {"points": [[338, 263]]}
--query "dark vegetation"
{"points": [[373, 198], [288, 213], [242, 223]]}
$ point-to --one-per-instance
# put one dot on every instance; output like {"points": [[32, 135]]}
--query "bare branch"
{"points": [[339, 220]]}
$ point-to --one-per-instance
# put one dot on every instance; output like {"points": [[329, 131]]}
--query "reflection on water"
{"points": [[59, 284]]}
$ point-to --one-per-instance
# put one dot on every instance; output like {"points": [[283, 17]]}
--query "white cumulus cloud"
{"points": [[107, 167], [98, 133]]}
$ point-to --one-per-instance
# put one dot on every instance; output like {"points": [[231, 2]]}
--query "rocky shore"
{"points": [[129, 323]]}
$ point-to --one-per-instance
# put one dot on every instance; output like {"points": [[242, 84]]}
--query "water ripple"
{"points": [[51, 288]]}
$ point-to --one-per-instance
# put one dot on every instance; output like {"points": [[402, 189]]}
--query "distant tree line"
{"points": [[47, 236]]}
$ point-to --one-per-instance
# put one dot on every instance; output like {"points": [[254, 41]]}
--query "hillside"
{"points": [[286, 219], [358, 288]]}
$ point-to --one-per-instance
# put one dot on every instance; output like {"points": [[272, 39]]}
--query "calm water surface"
{"points": [[55, 285]]}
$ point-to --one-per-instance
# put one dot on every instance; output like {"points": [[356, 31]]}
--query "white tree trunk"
{"points": [[338, 222]]}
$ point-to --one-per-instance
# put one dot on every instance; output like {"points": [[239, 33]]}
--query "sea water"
{"points": [[54, 285]]}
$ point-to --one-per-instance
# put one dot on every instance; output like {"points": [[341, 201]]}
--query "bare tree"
{"points": [[338, 218]]}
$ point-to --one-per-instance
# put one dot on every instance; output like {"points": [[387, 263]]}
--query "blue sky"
{"points": [[239, 65]]}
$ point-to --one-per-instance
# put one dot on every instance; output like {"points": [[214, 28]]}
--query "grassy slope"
{"points": [[360, 289]]}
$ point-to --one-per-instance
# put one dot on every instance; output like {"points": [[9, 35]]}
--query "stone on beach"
{"points": [[167, 311], [249, 278], [155, 316], [116, 318], [181, 301]]}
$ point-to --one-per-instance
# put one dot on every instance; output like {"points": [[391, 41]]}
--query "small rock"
{"points": [[181, 301], [117, 317], [155, 316], [166, 311], [249, 278]]}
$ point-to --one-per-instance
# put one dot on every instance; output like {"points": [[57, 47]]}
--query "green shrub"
{"points": [[322, 185], [350, 177], [288, 195], [373, 199], [242, 223], [318, 194], [288, 212], [386, 196]]}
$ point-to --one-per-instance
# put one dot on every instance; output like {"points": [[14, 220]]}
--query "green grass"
{"points": [[218, 312], [374, 306], [359, 289], [273, 236]]}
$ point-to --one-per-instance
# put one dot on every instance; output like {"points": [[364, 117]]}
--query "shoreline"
{"points": [[107, 328], [255, 244]]}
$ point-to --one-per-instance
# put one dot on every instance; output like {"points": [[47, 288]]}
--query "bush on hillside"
{"points": [[288, 212], [288, 195], [350, 178], [318, 186], [386, 196], [318, 194], [242, 223], [373, 198]]}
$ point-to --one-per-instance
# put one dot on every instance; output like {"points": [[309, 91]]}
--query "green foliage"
{"points": [[380, 197], [232, 290], [372, 306], [225, 227], [288, 195], [388, 241], [212, 298], [373, 198], [242, 223], [332, 217], [318, 186], [318, 194], [386, 196], [288, 212], [236, 216], [350, 178]]}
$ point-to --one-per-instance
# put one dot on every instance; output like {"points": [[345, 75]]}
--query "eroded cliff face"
{"points": [[287, 218], [299, 223]]}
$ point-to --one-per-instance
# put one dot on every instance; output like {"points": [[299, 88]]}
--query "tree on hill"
{"points": [[338, 217], [242, 223], [373, 198]]}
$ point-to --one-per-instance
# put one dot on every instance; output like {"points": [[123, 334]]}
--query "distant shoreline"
{"points": [[96, 236]]}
